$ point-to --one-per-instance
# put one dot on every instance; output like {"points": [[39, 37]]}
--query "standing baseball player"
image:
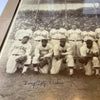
{"points": [[53, 33], [63, 31], [75, 40], [45, 34], [97, 31]]}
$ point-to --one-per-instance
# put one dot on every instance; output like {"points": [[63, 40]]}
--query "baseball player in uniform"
{"points": [[97, 31], [42, 59], [37, 33], [37, 37], [53, 33], [92, 34], [84, 33], [89, 56], [63, 31], [19, 55], [22, 32], [45, 34], [75, 40], [62, 55]]}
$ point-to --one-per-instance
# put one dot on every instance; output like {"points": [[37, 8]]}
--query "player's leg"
{"points": [[56, 66], [70, 64], [26, 64], [11, 65], [96, 65]]}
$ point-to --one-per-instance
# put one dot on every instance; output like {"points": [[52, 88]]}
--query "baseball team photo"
{"points": [[53, 46]]}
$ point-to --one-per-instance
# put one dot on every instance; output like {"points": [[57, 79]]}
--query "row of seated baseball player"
{"points": [[53, 55]]}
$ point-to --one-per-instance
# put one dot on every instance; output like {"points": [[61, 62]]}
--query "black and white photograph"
{"points": [[52, 51]]}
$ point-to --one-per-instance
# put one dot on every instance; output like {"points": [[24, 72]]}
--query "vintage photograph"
{"points": [[52, 51]]}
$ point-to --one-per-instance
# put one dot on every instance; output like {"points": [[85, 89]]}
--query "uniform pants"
{"points": [[57, 64], [75, 45], [46, 65], [90, 65], [12, 65]]}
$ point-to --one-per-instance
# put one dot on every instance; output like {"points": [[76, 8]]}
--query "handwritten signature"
{"points": [[43, 83]]}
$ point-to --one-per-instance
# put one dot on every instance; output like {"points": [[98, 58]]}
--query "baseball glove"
{"points": [[21, 59]]}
